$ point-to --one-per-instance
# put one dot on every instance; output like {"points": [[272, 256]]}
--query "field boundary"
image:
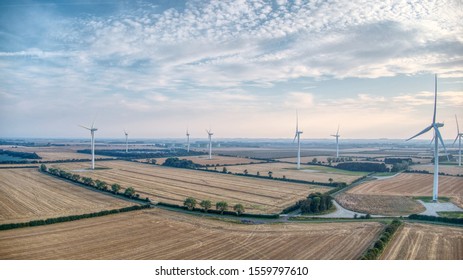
{"points": [[377, 248], [70, 218]]}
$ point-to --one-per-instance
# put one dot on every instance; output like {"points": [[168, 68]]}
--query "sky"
{"points": [[239, 68]]}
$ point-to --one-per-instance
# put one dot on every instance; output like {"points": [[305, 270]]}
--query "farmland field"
{"points": [[26, 194], [380, 204], [306, 173], [173, 185], [56, 153], [159, 234], [271, 153], [447, 169], [425, 242], [409, 184], [216, 160]]}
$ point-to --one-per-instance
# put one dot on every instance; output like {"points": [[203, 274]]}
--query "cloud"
{"points": [[296, 100]]}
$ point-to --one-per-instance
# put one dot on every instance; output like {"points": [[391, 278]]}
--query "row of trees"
{"points": [[180, 163], [315, 203], [374, 252], [221, 206], [363, 166], [25, 155], [98, 184], [72, 217]]}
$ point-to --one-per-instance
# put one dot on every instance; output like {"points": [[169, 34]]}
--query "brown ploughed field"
{"points": [[380, 204], [425, 242], [160, 234], [174, 185], [27, 194]]}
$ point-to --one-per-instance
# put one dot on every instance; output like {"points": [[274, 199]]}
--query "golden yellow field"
{"points": [[306, 173], [448, 169], [425, 242], [160, 234], [173, 185], [56, 152], [27, 194], [216, 160], [409, 184]]}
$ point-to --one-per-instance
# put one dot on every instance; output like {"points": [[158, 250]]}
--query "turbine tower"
{"points": [[459, 136], [437, 137], [187, 141], [92, 143], [298, 136], [337, 142], [126, 141], [209, 134]]}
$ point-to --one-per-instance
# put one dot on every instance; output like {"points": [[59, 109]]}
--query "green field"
{"points": [[327, 169], [458, 215]]}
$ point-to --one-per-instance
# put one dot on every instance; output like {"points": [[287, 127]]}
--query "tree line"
{"points": [[97, 184], [315, 203], [221, 206], [378, 247], [63, 219]]}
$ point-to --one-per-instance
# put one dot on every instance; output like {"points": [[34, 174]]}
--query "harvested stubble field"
{"points": [[425, 242], [447, 169], [380, 204], [56, 153], [268, 153], [27, 194], [173, 185], [306, 173], [160, 234], [411, 185], [216, 160]]}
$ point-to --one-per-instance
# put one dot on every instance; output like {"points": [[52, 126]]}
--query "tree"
{"points": [[116, 188], [245, 172], [330, 180], [152, 161], [87, 181], [101, 185], [258, 173], [221, 206], [43, 168], [314, 160], [75, 177], [224, 170], [129, 192], [206, 204], [315, 207], [190, 203], [239, 209], [270, 174]]}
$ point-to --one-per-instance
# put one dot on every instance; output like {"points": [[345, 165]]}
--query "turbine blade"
{"points": [[435, 99], [423, 131], [456, 138], [458, 128], [84, 127], [337, 132], [297, 122], [432, 140], [441, 140], [295, 136]]}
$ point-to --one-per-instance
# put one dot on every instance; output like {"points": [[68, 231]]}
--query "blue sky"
{"points": [[241, 68]]}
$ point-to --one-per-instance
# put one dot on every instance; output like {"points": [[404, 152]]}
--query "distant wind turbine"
{"points": [[298, 136], [209, 134], [459, 136], [187, 141], [337, 142], [92, 143], [437, 137], [126, 141]]}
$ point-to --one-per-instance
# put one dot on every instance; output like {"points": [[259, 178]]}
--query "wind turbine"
{"points": [[298, 136], [337, 142], [209, 133], [126, 141], [187, 141], [92, 143], [437, 137], [459, 136]]}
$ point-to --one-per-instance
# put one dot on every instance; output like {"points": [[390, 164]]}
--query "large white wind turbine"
{"points": [[459, 136], [187, 141], [209, 134], [298, 136], [337, 142], [437, 137], [126, 141], [92, 143]]}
